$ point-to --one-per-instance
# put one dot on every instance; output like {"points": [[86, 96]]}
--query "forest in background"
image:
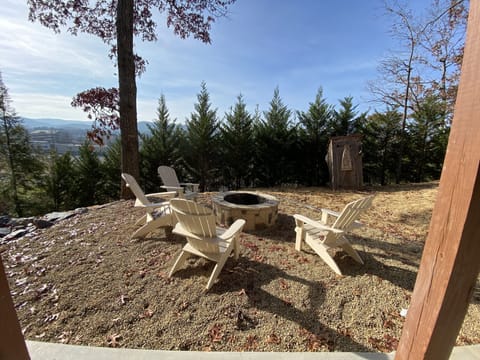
{"points": [[403, 141]]}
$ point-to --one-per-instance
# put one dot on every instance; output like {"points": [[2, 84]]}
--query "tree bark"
{"points": [[128, 93]]}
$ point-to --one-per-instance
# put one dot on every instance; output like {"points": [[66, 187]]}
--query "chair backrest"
{"points": [[351, 213], [168, 176], [194, 218], [137, 191]]}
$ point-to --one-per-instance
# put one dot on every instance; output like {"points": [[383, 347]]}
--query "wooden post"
{"points": [[12, 344], [450, 261]]}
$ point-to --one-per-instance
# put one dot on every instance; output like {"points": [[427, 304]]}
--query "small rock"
{"points": [[82, 210], [58, 215], [15, 234], [42, 224], [4, 231], [4, 220]]}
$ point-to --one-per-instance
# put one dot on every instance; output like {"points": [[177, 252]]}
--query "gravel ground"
{"points": [[84, 281]]}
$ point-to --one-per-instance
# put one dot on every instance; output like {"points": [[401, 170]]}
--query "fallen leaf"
{"points": [[113, 340], [242, 292], [273, 339], [216, 333], [283, 284]]}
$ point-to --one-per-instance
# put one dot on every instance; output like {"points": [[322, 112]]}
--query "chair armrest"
{"points": [[173, 188], [153, 205], [330, 212], [162, 195], [194, 186], [316, 224], [235, 228]]}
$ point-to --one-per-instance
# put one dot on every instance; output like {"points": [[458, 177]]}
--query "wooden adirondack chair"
{"points": [[321, 236], [205, 239], [157, 214], [171, 183]]}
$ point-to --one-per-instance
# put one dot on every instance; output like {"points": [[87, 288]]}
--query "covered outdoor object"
{"points": [[344, 159]]}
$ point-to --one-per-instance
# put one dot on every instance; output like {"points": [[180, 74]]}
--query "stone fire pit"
{"points": [[257, 209]]}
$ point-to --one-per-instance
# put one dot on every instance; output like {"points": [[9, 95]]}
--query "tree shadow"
{"points": [[251, 278]]}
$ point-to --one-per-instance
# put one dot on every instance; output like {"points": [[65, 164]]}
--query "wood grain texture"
{"points": [[450, 261], [12, 344]]}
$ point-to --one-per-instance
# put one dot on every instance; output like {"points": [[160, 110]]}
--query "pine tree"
{"points": [[22, 169], [61, 181], [111, 171], [237, 145], [201, 151], [88, 176], [381, 137], [428, 135], [314, 134], [276, 141], [345, 121], [160, 147]]}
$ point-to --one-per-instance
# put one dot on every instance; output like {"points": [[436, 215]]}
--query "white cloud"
{"points": [[36, 105]]}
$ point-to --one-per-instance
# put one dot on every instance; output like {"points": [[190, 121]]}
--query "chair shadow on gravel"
{"points": [[283, 230], [396, 275], [250, 278]]}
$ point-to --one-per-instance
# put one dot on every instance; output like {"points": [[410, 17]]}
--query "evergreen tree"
{"points": [[314, 134], [111, 173], [276, 141], [201, 151], [428, 135], [22, 168], [381, 137], [61, 182], [237, 145], [346, 120], [88, 176], [160, 147]]}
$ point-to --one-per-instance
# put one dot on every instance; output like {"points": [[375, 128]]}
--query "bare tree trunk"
{"points": [[128, 93]]}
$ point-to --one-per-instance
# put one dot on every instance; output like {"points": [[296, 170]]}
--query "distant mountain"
{"points": [[72, 125]]}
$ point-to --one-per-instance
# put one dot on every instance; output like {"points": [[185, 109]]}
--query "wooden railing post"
{"points": [[451, 256], [12, 343]]}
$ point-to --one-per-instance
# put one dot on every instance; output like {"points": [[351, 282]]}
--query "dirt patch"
{"points": [[84, 281]]}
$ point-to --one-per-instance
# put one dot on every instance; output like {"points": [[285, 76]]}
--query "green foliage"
{"points": [[237, 146], [201, 146], [313, 136], [380, 142], [160, 147], [346, 121], [428, 135], [111, 171], [247, 149], [61, 182], [88, 178], [276, 145], [20, 167]]}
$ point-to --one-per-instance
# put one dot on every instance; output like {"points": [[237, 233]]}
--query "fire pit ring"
{"points": [[257, 209]]}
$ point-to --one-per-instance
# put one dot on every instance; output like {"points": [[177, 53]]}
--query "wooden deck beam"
{"points": [[451, 257], [12, 343]]}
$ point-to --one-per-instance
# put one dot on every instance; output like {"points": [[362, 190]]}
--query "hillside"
{"points": [[84, 281]]}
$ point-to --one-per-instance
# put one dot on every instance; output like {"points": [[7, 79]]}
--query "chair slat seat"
{"points": [[157, 214], [204, 239], [321, 237], [171, 183]]}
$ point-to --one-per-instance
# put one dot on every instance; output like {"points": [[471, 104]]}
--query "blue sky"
{"points": [[298, 46]]}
